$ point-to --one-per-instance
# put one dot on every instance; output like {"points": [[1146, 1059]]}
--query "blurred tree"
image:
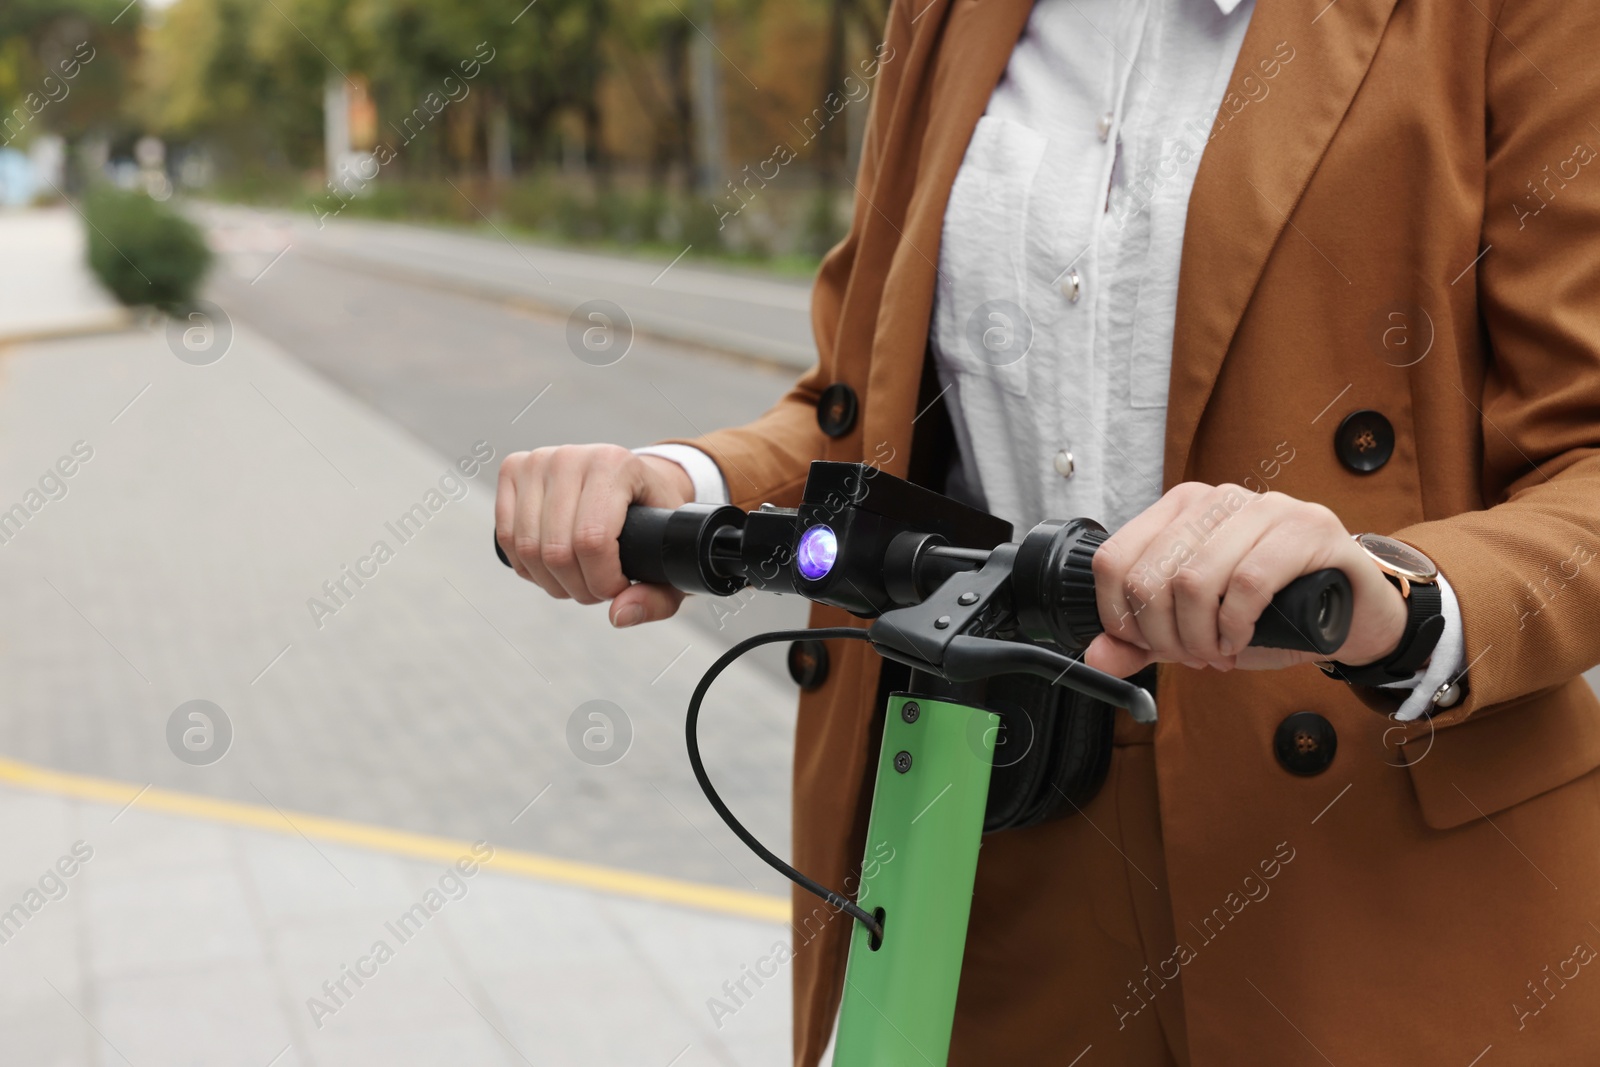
{"points": [[245, 76], [832, 147], [650, 45], [63, 65], [623, 91]]}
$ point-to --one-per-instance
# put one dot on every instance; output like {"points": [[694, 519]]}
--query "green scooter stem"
{"points": [[921, 859]]}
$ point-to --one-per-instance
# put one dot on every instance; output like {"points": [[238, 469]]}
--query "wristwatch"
{"points": [[1415, 575]]}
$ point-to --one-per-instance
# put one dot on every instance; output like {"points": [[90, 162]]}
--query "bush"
{"points": [[145, 252]]}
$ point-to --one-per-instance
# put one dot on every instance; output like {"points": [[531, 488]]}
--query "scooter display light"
{"points": [[818, 549]]}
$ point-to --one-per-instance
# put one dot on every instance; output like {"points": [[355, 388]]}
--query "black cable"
{"points": [[691, 733]]}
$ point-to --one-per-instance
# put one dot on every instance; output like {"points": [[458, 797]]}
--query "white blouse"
{"points": [[1058, 268]]}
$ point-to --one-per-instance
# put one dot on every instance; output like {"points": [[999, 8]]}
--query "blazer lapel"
{"points": [[971, 42], [1251, 176]]}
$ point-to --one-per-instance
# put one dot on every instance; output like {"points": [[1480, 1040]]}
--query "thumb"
{"points": [[1116, 657], [644, 603]]}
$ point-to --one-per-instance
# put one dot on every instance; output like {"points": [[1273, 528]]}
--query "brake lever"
{"points": [[969, 659], [947, 636]]}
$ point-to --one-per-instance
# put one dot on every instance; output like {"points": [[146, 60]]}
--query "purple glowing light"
{"points": [[819, 547]]}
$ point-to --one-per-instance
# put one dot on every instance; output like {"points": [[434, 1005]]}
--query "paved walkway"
{"points": [[176, 529], [151, 928], [210, 547], [46, 289]]}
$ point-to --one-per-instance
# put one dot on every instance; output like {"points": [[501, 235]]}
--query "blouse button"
{"points": [[1072, 286], [1065, 464], [1103, 127]]}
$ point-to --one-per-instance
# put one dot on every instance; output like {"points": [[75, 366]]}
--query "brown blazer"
{"points": [[1431, 157]]}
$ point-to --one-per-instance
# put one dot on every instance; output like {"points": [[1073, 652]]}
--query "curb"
{"points": [[117, 321]]}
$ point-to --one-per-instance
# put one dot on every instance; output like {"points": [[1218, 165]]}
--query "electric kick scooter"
{"points": [[955, 599]]}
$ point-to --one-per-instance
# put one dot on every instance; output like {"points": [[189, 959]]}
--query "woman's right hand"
{"points": [[557, 514]]}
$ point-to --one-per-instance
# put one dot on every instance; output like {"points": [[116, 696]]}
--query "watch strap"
{"points": [[1424, 627]]}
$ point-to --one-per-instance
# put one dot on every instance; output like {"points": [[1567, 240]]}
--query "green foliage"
{"points": [[593, 101], [145, 252], [238, 73], [63, 66], [248, 76]]}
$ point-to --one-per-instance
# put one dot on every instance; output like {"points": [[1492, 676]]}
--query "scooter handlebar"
{"points": [[698, 548]]}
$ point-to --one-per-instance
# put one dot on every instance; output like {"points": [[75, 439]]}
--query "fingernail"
{"points": [[1225, 647], [1220, 665], [1197, 664], [631, 615]]}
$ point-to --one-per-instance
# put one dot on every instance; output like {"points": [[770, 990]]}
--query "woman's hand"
{"points": [[1186, 580], [557, 514]]}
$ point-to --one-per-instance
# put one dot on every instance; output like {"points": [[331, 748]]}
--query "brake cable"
{"points": [[838, 901]]}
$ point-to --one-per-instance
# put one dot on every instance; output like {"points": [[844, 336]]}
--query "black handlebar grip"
{"points": [[639, 544], [1053, 583], [644, 533], [1310, 614]]}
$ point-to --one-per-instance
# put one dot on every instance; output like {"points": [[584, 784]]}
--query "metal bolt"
{"points": [[902, 761], [967, 598], [942, 622], [910, 712]]}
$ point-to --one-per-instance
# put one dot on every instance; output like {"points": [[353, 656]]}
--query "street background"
{"points": [[272, 798], [437, 700]]}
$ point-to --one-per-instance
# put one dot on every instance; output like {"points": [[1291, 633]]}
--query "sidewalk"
{"points": [[46, 289], [175, 522], [742, 313], [138, 937]]}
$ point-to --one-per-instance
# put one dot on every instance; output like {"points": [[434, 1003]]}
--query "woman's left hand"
{"points": [[1185, 581]]}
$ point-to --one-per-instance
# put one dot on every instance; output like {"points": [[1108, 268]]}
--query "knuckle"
{"points": [[557, 457], [1106, 560], [1325, 517], [1313, 520], [1249, 580], [1234, 498], [513, 463], [525, 547], [1190, 582], [590, 541], [557, 555]]}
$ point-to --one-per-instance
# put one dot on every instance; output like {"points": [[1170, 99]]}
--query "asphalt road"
{"points": [[707, 305], [454, 369]]}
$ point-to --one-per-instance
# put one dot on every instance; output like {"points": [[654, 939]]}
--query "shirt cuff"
{"points": [[1445, 665], [709, 485]]}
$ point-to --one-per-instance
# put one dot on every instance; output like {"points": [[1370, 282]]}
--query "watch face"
{"points": [[1399, 557]]}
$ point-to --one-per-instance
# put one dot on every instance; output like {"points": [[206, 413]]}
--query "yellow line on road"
{"points": [[622, 883]]}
